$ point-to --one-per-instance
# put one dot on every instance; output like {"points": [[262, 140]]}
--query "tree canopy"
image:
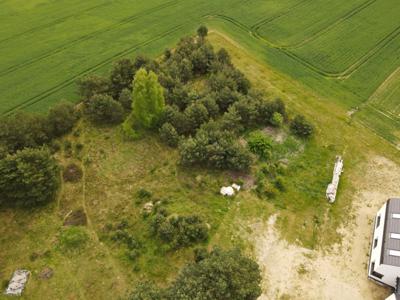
{"points": [[29, 177]]}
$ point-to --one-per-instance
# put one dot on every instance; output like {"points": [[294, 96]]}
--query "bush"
{"points": [[146, 291], [29, 177], [277, 119], [180, 231], [301, 127], [73, 238], [121, 77], [61, 119], [169, 135], [72, 173], [103, 109], [144, 194], [260, 144]]}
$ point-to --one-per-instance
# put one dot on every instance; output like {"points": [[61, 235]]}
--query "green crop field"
{"points": [[343, 50]]}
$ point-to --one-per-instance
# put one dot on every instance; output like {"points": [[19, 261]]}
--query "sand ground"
{"points": [[293, 272]]}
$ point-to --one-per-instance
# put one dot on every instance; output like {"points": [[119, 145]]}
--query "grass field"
{"points": [[344, 50]]}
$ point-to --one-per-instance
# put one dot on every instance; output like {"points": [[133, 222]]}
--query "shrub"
{"points": [[73, 238], [280, 183], [103, 109], [146, 291], [61, 119], [301, 127], [169, 135], [121, 77], [277, 119], [180, 231], [144, 194], [260, 144], [29, 177], [72, 173]]}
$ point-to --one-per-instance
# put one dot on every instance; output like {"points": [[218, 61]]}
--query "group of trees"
{"points": [[28, 130], [28, 173], [203, 122], [215, 275]]}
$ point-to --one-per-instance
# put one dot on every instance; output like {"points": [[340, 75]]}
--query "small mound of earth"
{"points": [[248, 181], [277, 134], [46, 273], [76, 218], [72, 173]]}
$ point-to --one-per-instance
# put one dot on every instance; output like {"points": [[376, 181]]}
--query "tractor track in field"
{"points": [[39, 97], [340, 20], [55, 22], [89, 36], [334, 75], [264, 21]]}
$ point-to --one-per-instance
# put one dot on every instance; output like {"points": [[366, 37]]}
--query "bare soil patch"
{"points": [[294, 272]]}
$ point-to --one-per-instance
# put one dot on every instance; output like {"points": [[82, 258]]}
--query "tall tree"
{"points": [[148, 102]]}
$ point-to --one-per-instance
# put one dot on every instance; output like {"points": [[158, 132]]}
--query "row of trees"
{"points": [[216, 275]]}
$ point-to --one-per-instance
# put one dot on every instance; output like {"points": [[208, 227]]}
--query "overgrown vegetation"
{"points": [[217, 275]]}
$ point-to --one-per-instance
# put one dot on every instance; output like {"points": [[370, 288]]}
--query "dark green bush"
{"points": [[260, 144], [301, 127], [61, 119], [103, 109], [169, 135]]}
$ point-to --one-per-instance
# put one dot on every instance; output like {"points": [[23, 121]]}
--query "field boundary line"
{"points": [[55, 22], [88, 36], [39, 97]]}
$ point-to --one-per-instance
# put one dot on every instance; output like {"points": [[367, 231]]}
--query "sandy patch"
{"points": [[293, 272]]}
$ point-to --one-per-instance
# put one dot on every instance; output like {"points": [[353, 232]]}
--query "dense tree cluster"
{"points": [[185, 94], [216, 275], [27, 178], [27, 130]]}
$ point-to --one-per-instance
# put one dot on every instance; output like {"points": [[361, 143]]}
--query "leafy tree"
{"points": [[22, 130], [224, 57], [125, 98], [177, 119], [103, 109], [148, 101], [225, 97], [202, 59], [93, 85], [210, 103], [29, 177], [221, 275], [169, 135], [202, 31], [61, 119], [122, 76], [197, 114], [146, 291], [301, 127]]}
